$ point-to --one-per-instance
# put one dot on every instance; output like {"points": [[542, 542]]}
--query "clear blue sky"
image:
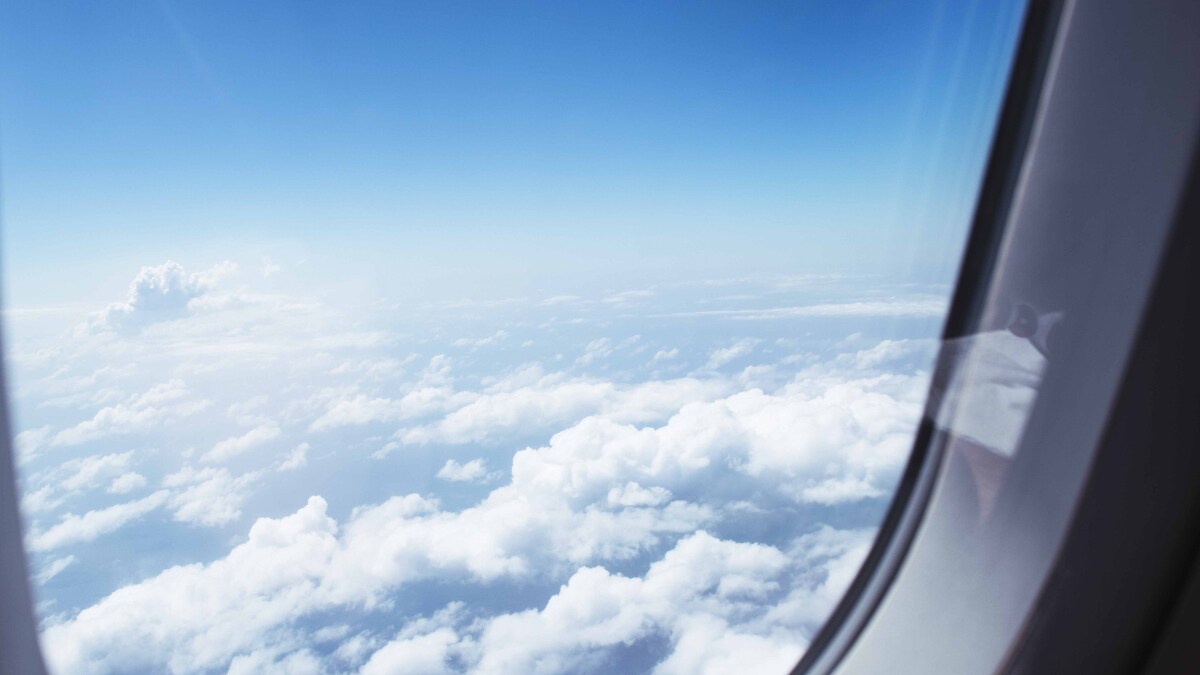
{"points": [[493, 138]]}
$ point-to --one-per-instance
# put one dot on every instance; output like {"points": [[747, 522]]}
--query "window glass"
{"points": [[467, 337]]}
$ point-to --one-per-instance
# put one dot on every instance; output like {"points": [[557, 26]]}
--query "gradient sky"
{"points": [[526, 142], [496, 316]]}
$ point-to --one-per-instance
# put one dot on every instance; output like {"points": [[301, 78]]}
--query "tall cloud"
{"points": [[159, 293]]}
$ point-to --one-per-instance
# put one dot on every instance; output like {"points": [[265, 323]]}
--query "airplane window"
{"points": [[453, 337], [1059, 430]]}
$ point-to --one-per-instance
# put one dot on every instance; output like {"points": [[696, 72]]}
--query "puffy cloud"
{"points": [[126, 483], [528, 407], [160, 405], [710, 646], [159, 293], [249, 413], [236, 445], [632, 494], [210, 496], [297, 459], [363, 409], [299, 564], [609, 506], [532, 400], [242, 610], [73, 529], [602, 490], [76, 475], [709, 597], [355, 650], [31, 442], [832, 559], [665, 355], [894, 355], [194, 618], [44, 498], [471, 472], [86, 472], [417, 655], [510, 534], [821, 439], [422, 646], [733, 352]]}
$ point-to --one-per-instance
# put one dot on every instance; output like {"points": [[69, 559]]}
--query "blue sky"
{"points": [[460, 337], [845, 134]]}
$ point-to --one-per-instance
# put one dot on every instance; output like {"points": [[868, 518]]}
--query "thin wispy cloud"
{"points": [[899, 308]]}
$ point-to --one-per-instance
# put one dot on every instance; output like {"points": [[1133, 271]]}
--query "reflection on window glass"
{"points": [[459, 337]]}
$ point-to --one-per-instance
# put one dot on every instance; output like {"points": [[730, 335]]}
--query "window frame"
{"points": [[1136, 520]]}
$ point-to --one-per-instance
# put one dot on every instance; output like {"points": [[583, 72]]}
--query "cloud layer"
{"points": [[565, 486]]}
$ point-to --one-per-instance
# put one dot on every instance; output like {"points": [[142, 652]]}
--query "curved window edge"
{"points": [[1068, 603]]}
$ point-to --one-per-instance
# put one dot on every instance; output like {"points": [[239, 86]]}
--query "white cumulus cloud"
{"points": [[158, 406], [470, 472], [237, 445], [126, 483], [210, 496], [159, 293], [74, 529], [531, 400], [733, 352], [297, 459]]}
